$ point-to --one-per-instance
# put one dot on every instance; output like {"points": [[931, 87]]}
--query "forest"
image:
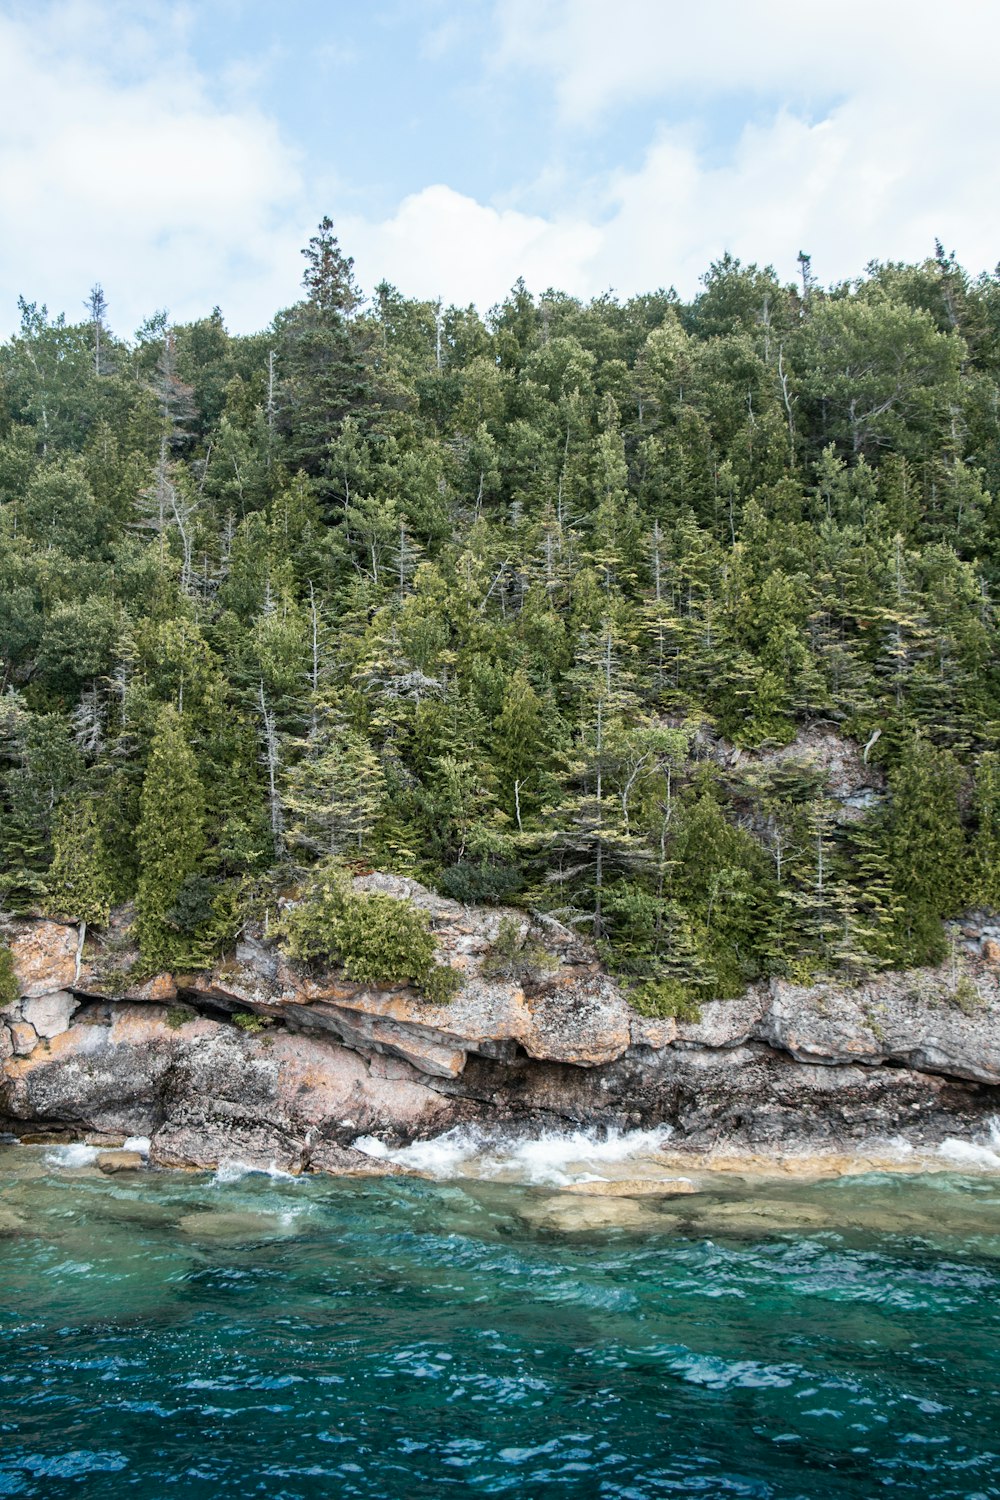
{"points": [[511, 604]]}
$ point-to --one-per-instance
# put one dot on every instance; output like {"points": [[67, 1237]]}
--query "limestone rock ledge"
{"points": [[915, 1054]]}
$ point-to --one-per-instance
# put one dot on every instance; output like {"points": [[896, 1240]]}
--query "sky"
{"points": [[182, 153]]}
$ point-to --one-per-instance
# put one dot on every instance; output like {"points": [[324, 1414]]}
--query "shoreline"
{"points": [[576, 1163]]}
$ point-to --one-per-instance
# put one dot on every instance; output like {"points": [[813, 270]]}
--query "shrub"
{"points": [[518, 958], [179, 1015], [9, 987], [442, 984], [965, 994], [205, 919], [376, 939], [194, 905], [249, 1021], [479, 884], [665, 997]]}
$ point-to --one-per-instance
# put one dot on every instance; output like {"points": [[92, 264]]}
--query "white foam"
{"points": [[76, 1155], [553, 1159], [233, 1171], [982, 1155], [138, 1143]]}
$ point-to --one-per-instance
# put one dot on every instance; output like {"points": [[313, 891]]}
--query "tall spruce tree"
{"points": [[170, 838], [926, 848]]}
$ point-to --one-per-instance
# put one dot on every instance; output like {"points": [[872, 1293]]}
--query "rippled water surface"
{"points": [[167, 1335]]}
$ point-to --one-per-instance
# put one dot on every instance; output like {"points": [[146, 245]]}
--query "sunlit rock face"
{"points": [[318, 1061]]}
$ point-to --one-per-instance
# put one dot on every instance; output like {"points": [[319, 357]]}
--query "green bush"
{"points": [[9, 987], [441, 984], [194, 906], [179, 1015], [249, 1021], [513, 957], [376, 939], [479, 884], [665, 997]]}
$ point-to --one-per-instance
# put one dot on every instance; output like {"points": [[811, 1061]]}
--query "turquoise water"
{"points": [[170, 1335]]}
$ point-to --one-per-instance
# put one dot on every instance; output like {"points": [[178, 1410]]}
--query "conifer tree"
{"points": [[333, 794], [170, 837], [80, 882], [985, 853], [324, 379], [926, 847]]}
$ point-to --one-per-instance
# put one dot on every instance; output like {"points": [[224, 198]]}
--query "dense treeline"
{"points": [[392, 584]]}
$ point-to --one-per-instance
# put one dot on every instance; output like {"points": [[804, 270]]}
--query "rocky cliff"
{"points": [[263, 1062]]}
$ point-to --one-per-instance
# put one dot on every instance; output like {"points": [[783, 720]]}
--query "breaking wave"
{"points": [[982, 1154], [552, 1159], [234, 1171], [75, 1155]]}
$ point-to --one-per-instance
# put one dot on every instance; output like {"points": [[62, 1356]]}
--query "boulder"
{"points": [[44, 956], [24, 1038], [120, 1161], [50, 1014]]}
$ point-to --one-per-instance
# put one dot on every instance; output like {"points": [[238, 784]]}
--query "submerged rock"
{"points": [[236, 1228], [633, 1187], [585, 1216], [120, 1161], [762, 1215]]}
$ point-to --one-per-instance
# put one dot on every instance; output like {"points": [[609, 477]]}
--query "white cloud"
{"points": [[599, 58], [872, 132], [867, 136], [866, 182], [440, 242], [116, 166]]}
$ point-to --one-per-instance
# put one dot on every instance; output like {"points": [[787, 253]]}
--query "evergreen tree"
{"points": [[985, 853], [80, 882], [323, 375], [536, 607], [926, 848], [170, 838]]}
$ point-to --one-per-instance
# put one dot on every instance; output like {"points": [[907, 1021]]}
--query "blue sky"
{"points": [[182, 153]]}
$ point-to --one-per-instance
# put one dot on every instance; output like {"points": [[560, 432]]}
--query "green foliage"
{"points": [[665, 997], [479, 884], [80, 882], [170, 840], [533, 608], [9, 988], [441, 983], [515, 955], [985, 873], [926, 847], [249, 1022], [376, 939]]}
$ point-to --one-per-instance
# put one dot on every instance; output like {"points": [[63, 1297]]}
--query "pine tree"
{"points": [[926, 847], [80, 882], [333, 794], [986, 838], [323, 375], [170, 837]]}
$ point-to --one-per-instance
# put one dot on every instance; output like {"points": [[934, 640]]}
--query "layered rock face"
{"points": [[318, 1061]]}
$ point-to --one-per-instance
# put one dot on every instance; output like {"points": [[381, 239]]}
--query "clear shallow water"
{"points": [[163, 1334]]}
